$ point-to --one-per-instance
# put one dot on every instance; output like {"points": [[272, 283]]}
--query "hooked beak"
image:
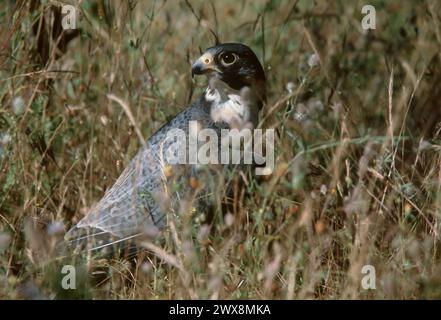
{"points": [[205, 64]]}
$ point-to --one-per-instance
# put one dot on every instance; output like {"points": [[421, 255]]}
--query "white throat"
{"points": [[227, 105]]}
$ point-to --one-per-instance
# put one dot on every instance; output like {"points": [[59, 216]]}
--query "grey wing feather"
{"points": [[129, 205]]}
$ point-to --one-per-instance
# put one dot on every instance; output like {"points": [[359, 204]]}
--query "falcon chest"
{"points": [[227, 105]]}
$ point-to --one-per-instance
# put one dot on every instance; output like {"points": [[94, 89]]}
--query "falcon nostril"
{"points": [[207, 60]]}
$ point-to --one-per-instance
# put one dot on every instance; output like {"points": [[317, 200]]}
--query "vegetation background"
{"points": [[358, 119]]}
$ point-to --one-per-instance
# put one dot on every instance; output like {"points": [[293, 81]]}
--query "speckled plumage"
{"points": [[129, 205]]}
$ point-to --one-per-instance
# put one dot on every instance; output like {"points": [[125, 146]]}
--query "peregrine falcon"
{"points": [[233, 97]]}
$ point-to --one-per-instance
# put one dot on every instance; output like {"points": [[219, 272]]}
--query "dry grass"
{"points": [[357, 176]]}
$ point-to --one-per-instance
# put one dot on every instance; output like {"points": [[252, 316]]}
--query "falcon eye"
{"points": [[228, 58]]}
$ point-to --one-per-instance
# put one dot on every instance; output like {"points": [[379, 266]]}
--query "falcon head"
{"points": [[233, 63]]}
